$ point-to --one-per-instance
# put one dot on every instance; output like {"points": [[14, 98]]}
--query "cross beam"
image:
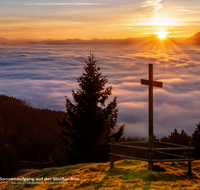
{"points": [[151, 83]]}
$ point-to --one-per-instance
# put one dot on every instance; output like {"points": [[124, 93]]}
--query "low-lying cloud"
{"points": [[44, 75]]}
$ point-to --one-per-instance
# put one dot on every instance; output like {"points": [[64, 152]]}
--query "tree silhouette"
{"points": [[88, 125], [196, 141], [177, 138]]}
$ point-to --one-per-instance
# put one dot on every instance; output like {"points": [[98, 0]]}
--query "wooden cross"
{"points": [[151, 83]]}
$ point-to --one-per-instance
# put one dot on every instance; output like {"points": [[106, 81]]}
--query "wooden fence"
{"points": [[36, 165], [151, 151]]}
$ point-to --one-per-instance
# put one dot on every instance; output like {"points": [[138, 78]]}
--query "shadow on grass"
{"points": [[159, 174]]}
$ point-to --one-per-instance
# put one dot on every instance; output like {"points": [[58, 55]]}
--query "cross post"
{"points": [[151, 83]]}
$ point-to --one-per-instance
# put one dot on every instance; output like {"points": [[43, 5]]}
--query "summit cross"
{"points": [[151, 83]]}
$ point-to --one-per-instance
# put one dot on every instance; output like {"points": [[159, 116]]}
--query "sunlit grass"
{"points": [[127, 174]]}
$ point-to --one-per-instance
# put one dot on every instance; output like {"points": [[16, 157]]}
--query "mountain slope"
{"points": [[127, 174], [26, 133], [194, 40]]}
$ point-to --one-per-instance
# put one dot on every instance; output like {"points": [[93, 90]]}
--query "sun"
{"points": [[162, 34]]}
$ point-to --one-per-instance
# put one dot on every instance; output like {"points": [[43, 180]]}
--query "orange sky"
{"points": [[98, 19]]}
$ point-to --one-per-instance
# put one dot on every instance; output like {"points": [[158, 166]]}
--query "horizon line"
{"points": [[43, 39]]}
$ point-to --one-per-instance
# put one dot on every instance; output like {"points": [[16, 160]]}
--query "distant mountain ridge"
{"points": [[3, 39], [194, 40]]}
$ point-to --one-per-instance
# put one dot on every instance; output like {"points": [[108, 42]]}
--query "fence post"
{"points": [[112, 148], [150, 165], [189, 156]]}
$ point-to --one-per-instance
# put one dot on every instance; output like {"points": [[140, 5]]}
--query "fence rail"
{"points": [[29, 164], [126, 146], [173, 160], [167, 143], [173, 149], [134, 142], [170, 154]]}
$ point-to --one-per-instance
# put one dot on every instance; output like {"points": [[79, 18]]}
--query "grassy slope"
{"points": [[127, 174]]}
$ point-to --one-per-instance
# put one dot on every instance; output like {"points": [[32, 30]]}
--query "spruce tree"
{"points": [[196, 141], [89, 123]]}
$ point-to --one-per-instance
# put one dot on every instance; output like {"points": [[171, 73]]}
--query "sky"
{"points": [[62, 19], [43, 75]]}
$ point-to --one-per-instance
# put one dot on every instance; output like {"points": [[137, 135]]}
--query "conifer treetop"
{"points": [[92, 82]]}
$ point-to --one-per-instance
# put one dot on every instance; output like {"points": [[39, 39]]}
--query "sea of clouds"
{"points": [[44, 75]]}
